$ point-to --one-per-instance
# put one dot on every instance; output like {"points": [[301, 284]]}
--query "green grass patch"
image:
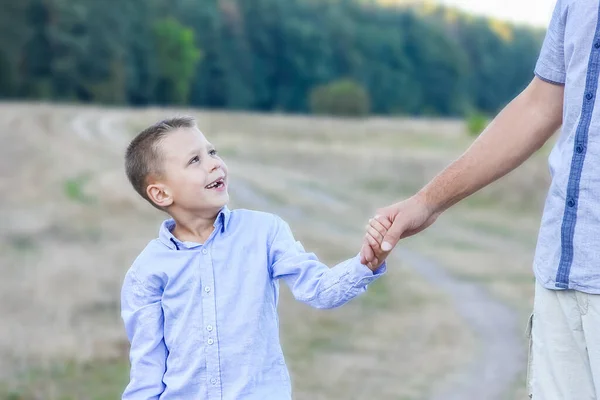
{"points": [[22, 243], [74, 189], [476, 123], [99, 380]]}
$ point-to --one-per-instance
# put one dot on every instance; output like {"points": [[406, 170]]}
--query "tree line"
{"points": [[263, 55]]}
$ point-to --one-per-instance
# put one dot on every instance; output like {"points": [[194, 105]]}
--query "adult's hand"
{"points": [[519, 130], [407, 218]]}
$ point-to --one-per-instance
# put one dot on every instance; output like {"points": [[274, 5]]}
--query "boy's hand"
{"points": [[371, 254]]}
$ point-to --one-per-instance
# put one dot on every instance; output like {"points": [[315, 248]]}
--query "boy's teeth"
{"points": [[214, 184]]}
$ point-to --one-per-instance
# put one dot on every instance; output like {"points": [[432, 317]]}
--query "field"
{"points": [[447, 322]]}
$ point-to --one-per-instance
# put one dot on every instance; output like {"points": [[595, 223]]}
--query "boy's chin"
{"points": [[223, 199], [212, 205], [217, 204]]}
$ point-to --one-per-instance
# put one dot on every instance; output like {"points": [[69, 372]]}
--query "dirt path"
{"points": [[500, 355]]}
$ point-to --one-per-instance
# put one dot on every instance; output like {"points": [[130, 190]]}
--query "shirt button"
{"points": [[597, 44], [209, 328], [589, 96], [571, 203], [206, 289], [204, 251], [579, 149], [213, 381], [210, 341]]}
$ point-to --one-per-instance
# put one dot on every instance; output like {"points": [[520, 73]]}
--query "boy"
{"points": [[199, 303]]}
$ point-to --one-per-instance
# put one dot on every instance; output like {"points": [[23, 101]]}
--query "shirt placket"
{"points": [[211, 344], [577, 162]]}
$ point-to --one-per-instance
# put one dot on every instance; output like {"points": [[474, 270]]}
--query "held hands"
{"points": [[391, 224], [376, 231]]}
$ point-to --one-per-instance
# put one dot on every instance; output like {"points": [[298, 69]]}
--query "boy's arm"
{"points": [[310, 280], [142, 314]]}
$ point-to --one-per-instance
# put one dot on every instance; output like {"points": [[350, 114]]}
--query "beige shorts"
{"points": [[564, 346]]}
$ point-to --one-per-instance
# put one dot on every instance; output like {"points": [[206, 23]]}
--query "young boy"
{"points": [[199, 303]]}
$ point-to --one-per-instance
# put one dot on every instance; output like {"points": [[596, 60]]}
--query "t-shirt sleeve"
{"points": [[550, 65]]}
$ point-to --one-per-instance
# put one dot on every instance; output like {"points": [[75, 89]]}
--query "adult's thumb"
{"points": [[392, 237]]}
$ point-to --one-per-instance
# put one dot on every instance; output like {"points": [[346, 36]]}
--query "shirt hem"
{"points": [[551, 284]]}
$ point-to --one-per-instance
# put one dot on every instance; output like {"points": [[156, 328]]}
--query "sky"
{"points": [[531, 12]]}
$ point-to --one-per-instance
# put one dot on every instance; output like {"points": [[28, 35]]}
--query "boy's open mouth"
{"points": [[219, 183]]}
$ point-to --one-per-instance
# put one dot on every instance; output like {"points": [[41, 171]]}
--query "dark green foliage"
{"points": [[264, 55]]}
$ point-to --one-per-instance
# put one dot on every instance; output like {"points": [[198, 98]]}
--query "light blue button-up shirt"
{"points": [[202, 318], [568, 249]]}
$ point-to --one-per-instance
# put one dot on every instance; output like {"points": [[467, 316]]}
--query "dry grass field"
{"points": [[445, 323]]}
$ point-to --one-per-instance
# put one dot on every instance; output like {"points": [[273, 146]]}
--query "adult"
{"points": [[564, 361]]}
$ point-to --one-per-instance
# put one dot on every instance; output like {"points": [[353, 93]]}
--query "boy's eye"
{"points": [[194, 159], [213, 152]]}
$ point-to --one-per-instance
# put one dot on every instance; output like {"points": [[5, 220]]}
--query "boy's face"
{"points": [[194, 177]]}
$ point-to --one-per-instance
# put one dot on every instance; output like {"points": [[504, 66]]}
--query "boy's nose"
{"points": [[216, 164]]}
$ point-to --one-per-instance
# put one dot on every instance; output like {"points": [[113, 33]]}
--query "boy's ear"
{"points": [[160, 194]]}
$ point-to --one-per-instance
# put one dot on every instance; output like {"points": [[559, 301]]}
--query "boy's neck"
{"points": [[196, 229]]}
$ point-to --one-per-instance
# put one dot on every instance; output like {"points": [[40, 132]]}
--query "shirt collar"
{"points": [[166, 236], [223, 218]]}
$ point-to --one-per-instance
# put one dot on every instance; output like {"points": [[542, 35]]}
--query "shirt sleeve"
{"points": [[141, 310], [550, 65], [310, 280]]}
